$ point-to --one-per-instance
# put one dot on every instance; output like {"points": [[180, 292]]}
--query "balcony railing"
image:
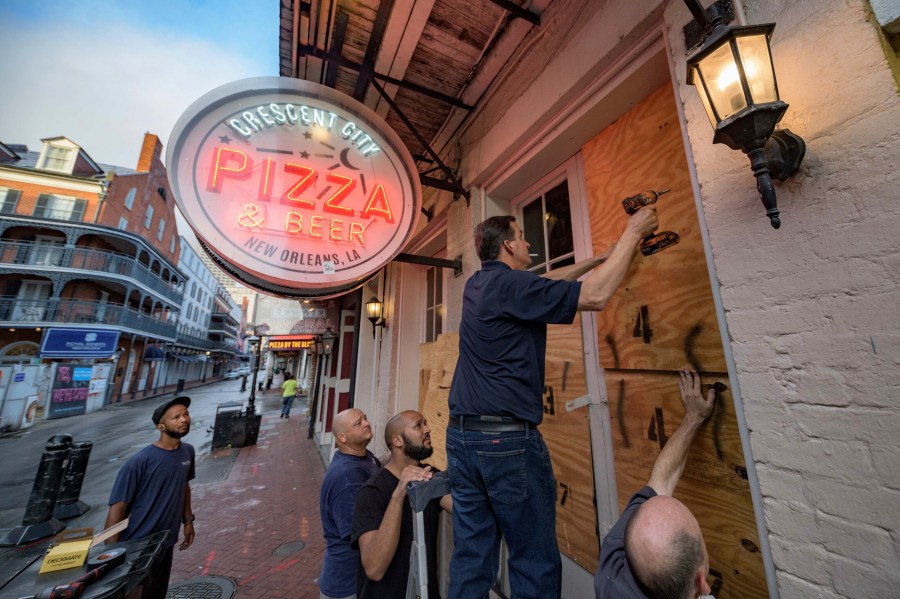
{"points": [[202, 343], [222, 328], [56, 256], [15, 311]]}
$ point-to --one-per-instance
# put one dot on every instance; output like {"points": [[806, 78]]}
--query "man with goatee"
{"points": [[383, 518], [152, 491]]}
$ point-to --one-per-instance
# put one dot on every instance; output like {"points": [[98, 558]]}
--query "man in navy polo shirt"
{"points": [[500, 472]]}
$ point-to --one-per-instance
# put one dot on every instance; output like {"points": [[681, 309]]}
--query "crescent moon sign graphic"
{"points": [[346, 161]]}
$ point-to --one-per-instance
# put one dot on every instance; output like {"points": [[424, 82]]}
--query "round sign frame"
{"points": [[292, 187]]}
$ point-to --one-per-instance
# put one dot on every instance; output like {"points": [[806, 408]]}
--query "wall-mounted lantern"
{"points": [[328, 341], [735, 77], [375, 312]]}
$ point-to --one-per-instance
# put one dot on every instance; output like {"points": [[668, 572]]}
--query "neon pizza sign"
{"points": [[293, 187]]}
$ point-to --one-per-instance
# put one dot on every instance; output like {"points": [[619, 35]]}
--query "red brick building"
{"points": [[88, 248]]}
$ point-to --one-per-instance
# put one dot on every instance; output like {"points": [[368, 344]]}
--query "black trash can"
{"points": [[180, 386], [245, 430], [227, 419]]}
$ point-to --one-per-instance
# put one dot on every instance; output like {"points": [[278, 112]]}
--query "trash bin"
{"points": [[227, 415], [245, 430], [180, 386]]}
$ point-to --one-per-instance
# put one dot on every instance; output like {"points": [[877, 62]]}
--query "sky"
{"points": [[102, 73]]}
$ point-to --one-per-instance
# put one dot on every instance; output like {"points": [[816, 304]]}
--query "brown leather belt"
{"points": [[489, 424]]}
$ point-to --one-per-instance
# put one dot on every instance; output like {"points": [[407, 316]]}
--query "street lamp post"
{"points": [[203, 378], [169, 349], [320, 353], [251, 402]]}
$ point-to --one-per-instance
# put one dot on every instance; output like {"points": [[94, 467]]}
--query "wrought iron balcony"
{"points": [[186, 340], [28, 256], [18, 312]]}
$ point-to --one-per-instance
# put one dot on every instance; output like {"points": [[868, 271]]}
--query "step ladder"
{"points": [[419, 494]]}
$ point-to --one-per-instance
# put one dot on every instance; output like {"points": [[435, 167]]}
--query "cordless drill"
{"points": [[658, 241]]}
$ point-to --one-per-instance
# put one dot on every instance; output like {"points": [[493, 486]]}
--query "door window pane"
{"points": [[533, 229], [558, 218], [547, 224], [434, 294]]}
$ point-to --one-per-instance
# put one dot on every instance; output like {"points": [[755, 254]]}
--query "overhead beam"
{"points": [[337, 41], [519, 12], [372, 48], [353, 65]]}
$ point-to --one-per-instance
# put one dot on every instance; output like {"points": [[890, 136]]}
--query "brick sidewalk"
{"points": [[249, 524]]}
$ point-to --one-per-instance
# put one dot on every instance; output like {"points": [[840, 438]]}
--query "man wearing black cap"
{"points": [[152, 491]]}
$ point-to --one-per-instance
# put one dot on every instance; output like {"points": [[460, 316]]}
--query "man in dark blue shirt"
{"points": [[351, 466], [500, 472], [656, 549], [152, 491]]}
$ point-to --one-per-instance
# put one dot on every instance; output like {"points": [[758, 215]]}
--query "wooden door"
{"points": [[661, 320]]}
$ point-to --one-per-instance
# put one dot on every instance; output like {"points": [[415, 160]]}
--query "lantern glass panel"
{"points": [[754, 51], [723, 82], [698, 81]]}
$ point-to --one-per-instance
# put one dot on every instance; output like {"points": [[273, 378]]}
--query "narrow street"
{"points": [[117, 432]]}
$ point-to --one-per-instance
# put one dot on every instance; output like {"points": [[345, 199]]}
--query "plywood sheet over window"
{"points": [[661, 320], [663, 317]]}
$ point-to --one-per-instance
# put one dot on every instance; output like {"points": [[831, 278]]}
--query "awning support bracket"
{"points": [[456, 265], [453, 184]]}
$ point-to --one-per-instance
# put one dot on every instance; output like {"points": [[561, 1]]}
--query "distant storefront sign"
{"points": [[79, 343], [70, 389], [292, 187], [291, 342]]}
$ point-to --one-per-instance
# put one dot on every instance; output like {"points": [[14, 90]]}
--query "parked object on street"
{"points": [[39, 521]]}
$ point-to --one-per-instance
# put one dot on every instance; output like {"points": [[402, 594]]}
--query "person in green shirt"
{"points": [[288, 392]]}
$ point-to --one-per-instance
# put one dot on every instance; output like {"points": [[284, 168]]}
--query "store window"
{"points": [[434, 307], [546, 222]]}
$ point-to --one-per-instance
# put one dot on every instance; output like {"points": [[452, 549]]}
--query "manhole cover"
{"points": [[208, 587], [288, 548]]}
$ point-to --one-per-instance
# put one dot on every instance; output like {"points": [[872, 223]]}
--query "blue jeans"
{"points": [[286, 403], [502, 483]]}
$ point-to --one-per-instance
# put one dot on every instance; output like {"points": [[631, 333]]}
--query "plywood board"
{"points": [[568, 437], [643, 150], [567, 434], [646, 409], [437, 362]]}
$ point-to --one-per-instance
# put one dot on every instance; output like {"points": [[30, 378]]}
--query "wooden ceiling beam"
{"points": [[518, 12], [353, 65], [372, 48]]}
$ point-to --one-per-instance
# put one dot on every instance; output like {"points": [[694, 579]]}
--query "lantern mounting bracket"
{"points": [[721, 11]]}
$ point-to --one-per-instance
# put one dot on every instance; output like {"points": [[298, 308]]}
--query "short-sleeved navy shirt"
{"points": [[614, 579], [503, 341], [153, 484]]}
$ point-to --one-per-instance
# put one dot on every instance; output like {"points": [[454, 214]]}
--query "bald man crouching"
{"points": [[656, 549]]}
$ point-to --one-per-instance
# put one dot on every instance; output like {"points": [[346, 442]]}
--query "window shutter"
{"points": [[78, 211], [43, 202]]}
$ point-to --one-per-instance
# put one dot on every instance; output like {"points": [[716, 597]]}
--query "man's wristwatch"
{"points": [[189, 519]]}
